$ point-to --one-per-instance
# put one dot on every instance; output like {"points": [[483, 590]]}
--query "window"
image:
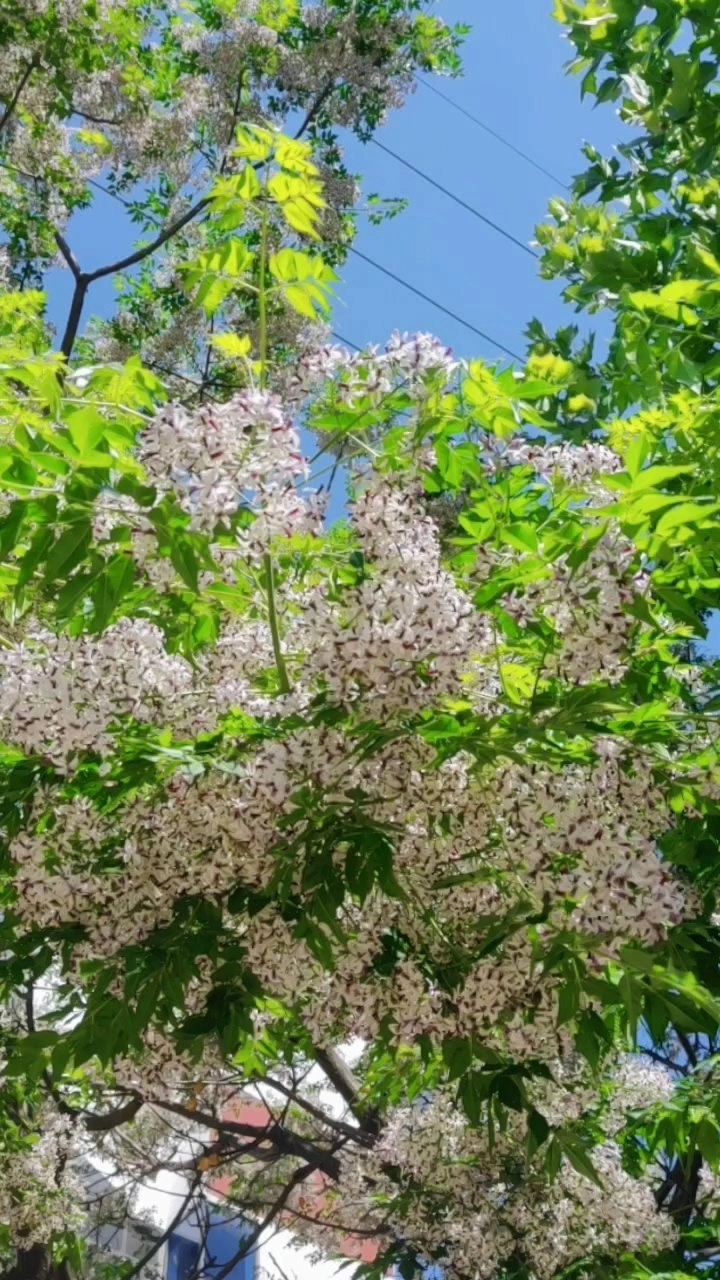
{"points": [[183, 1257], [223, 1237]]}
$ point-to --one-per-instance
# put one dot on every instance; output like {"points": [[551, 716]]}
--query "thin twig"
{"points": [[317, 104]]}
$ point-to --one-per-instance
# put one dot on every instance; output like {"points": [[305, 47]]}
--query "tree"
{"points": [[270, 789]]}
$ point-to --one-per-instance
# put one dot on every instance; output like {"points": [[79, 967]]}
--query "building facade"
{"points": [[204, 1243]]}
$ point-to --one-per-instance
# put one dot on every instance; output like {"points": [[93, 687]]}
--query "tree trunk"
{"points": [[36, 1263]]}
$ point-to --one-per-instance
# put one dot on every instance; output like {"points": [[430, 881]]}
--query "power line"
{"points": [[385, 271], [434, 303], [405, 283], [346, 341], [494, 134], [463, 203]]}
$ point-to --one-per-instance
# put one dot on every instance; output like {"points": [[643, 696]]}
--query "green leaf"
{"points": [[185, 561], [654, 476], [458, 1056], [87, 428], [538, 1131], [573, 1149], [553, 1158], [68, 551], [685, 513], [110, 587]]}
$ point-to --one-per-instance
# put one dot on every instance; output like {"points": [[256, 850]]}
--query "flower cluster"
{"points": [[291, 774], [214, 459], [583, 838], [503, 839], [409, 362], [581, 467], [474, 1207], [406, 635], [56, 699], [339, 52], [38, 1191], [587, 606]]}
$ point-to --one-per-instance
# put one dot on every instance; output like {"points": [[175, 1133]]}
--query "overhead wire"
{"points": [[458, 200], [346, 341], [425, 297], [439, 306], [499, 137]]}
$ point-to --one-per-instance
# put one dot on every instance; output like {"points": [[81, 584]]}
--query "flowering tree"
{"points": [[436, 784]]}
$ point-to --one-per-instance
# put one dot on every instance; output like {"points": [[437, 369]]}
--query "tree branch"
{"points": [[113, 1119], [84, 279], [356, 1133], [347, 1085], [284, 1141], [276, 1208], [317, 104], [687, 1046], [68, 254], [115, 124], [162, 238], [7, 113], [73, 321], [158, 1244], [665, 1061]]}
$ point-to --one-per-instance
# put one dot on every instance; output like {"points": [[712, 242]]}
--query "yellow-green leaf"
{"points": [[236, 346], [685, 513]]}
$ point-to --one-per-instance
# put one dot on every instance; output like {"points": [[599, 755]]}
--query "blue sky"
{"points": [[514, 80]]}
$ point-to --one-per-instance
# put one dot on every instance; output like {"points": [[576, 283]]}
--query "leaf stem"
{"points": [[285, 686], [267, 559], [262, 300]]}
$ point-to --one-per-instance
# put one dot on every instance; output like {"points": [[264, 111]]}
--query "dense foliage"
{"points": [[408, 824]]}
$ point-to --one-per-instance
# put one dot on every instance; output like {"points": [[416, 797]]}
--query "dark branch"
{"points": [[356, 1134], [68, 254], [116, 124], [7, 113], [666, 1061], [283, 1141], [343, 1079], [162, 238], [74, 315], [30, 1008], [317, 104], [84, 279], [158, 1244], [678, 1193], [276, 1208], [688, 1047], [113, 1119]]}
